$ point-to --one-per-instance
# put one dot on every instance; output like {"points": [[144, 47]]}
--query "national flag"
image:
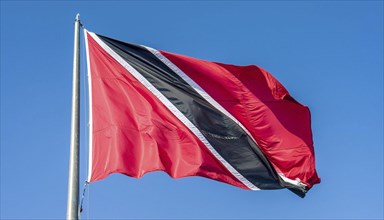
{"points": [[153, 110]]}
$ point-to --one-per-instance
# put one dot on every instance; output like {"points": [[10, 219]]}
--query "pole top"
{"points": [[77, 17]]}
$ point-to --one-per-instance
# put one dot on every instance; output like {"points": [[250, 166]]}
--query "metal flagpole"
{"points": [[73, 180]]}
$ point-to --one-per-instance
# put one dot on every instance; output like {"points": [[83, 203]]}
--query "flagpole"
{"points": [[73, 179]]}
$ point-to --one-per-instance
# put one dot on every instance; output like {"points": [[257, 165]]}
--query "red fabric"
{"points": [[134, 133], [280, 125]]}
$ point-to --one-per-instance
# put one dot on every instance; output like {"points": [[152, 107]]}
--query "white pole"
{"points": [[73, 180]]}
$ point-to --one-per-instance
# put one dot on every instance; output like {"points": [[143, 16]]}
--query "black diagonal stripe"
{"points": [[228, 138]]}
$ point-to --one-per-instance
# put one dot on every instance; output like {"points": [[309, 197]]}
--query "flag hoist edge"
{"points": [[153, 110]]}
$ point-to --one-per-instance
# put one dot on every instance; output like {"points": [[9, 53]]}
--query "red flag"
{"points": [[154, 110]]}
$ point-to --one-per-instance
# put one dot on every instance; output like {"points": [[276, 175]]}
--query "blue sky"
{"points": [[328, 54]]}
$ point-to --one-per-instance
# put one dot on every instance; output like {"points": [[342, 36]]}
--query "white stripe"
{"points": [[212, 101], [294, 182], [174, 110], [90, 128]]}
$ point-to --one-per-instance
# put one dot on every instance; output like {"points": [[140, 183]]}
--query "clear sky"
{"points": [[328, 54]]}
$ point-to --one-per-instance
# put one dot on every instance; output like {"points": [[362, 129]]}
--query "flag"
{"points": [[152, 110]]}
